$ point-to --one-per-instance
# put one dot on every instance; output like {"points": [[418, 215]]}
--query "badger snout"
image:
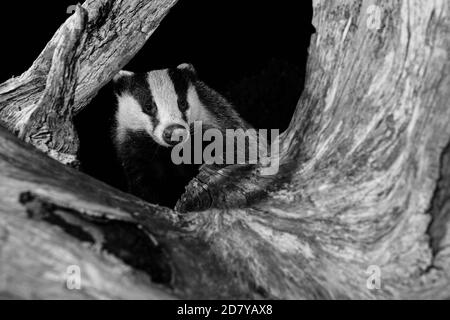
{"points": [[174, 134]]}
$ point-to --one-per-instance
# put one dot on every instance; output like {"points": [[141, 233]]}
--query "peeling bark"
{"points": [[363, 182]]}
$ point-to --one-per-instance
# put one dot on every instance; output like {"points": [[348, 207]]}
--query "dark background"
{"points": [[252, 52]]}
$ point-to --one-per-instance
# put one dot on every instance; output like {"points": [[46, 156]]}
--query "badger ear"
{"points": [[121, 74], [188, 67], [121, 81]]}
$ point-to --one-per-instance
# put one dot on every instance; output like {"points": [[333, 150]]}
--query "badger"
{"points": [[153, 106]]}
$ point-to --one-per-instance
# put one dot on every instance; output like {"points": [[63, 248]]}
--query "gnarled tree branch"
{"points": [[83, 55]]}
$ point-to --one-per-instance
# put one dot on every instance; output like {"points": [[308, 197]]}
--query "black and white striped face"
{"points": [[161, 103]]}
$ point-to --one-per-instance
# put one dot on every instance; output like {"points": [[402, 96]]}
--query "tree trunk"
{"points": [[362, 190]]}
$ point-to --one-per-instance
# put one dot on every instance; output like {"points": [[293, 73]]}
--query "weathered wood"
{"points": [[362, 182], [360, 162], [52, 217], [48, 125]]}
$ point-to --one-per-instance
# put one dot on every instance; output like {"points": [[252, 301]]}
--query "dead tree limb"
{"points": [[52, 218], [363, 182], [83, 55], [48, 125]]}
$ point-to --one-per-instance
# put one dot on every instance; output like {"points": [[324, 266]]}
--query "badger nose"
{"points": [[175, 131]]}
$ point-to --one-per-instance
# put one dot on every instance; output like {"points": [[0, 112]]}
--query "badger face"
{"points": [[156, 102]]}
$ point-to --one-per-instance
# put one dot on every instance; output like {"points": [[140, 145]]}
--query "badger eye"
{"points": [[149, 108], [183, 105]]}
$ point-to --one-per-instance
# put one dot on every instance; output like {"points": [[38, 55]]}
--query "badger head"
{"points": [[161, 103]]}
